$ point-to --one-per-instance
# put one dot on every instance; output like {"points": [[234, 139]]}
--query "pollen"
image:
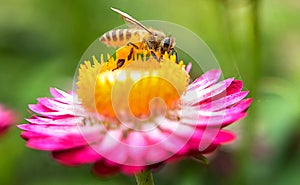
{"points": [[138, 88]]}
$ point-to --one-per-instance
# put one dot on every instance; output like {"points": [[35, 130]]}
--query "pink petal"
{"points": [[223, 102], [55, 105], [51, 130], [103, 169], [71, 121], [62, 96], [188, 67], [7, 118], [212, 121], [235, 86], [207, 79], [77, 156], [173, 144], [197, 95], [131, 170], [136, 147], [53, 143], [157, 154], [113, 147], [224, 137], [209, 137], [241, 106], [56, 93], [45, 111], [30, 135], [38, 108]]}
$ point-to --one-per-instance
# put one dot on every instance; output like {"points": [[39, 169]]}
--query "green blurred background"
{"points": [[41, 43]]}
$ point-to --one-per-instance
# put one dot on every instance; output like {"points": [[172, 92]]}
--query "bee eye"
{"points": [[165, 44], [167, 41]]}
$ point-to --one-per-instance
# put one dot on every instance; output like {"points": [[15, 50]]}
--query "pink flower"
{"points": [[77, 133], [7, 118]]}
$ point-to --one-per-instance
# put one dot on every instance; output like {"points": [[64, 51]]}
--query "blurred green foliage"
{"points": [[41, 43]]}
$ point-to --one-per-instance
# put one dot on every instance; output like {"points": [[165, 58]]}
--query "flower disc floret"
{"points": [[142, 87]]}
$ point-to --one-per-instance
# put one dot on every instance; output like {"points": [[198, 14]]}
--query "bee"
{"points": [[137, 39]]}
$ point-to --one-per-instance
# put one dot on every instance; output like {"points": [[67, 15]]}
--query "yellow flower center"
{"points": [[142, 86]]}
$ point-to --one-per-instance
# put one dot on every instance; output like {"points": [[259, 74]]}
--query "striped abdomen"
{"points": [[120, 37]]}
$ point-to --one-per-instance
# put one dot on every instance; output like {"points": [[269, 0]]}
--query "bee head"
{"points": [[167, 44]]}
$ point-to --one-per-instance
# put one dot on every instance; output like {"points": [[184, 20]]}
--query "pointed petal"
{"points": [[77, 156], [197, 95], [206, 80]]}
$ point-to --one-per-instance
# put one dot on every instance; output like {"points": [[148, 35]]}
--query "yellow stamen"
{"points": [[132, 89]]}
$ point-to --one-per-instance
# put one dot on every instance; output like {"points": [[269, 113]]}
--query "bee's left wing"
{"points": [[130, 20]]}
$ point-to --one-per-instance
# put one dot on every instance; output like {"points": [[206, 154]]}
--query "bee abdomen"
{"points": [[120, 37]]}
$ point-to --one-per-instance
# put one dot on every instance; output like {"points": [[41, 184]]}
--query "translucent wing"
{"points": [[130, 20]]}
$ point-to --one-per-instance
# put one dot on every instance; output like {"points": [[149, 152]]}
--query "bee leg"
{"points": [[172, 52], [131, 44], [148, 44], [130, 54], [120, 63], [154, 56], [151, 51]]}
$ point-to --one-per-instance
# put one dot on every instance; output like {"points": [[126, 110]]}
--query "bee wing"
{"points": [[130, 20]]}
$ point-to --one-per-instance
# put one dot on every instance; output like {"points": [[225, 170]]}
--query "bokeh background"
{"points": [[258, 41]]}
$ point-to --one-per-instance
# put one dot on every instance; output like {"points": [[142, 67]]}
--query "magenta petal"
{"points": [[239, 107], [3, 129], [62, 96], [46, 111], [224, 137], [223, 102], [209, 149], [51, 130], [30, 135], [213, 121], [67, 121], [131, 170], [236, 97], [215, 89], [207, 79], [136, 151], [235, 86], [188, 67], [55, 105], [6, 116], [233, 118], [198, 95], [243, 105], [53, 143], [103, 169], [56, 93], [77, 156], [38, 108], [7, 119], [207, 138]]}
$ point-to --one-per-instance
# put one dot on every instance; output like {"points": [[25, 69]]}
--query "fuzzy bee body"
{"points": [[136, 40], [121, 37]]}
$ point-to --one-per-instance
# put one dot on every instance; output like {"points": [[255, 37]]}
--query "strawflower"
{"points": [[7, 119], [140, 116]]}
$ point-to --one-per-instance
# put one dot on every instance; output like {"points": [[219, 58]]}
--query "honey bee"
{"points": [[136, 40]]}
